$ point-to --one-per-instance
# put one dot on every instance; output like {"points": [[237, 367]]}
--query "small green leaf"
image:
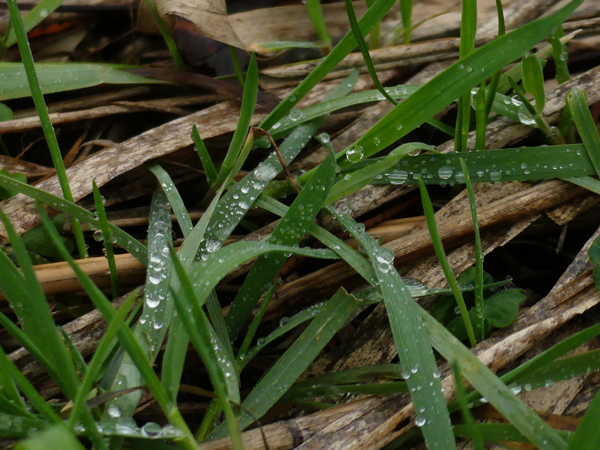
{"points": [[501, 309], [533, 80]]}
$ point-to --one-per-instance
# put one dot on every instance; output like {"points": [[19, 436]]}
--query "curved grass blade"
{"points": [[373, 15], [560, 55], [124, 239], [414, 346], [360, 40], [128, 341], [107, 240], [456, 81], [441, 255], [533, 81], [296, 359], [290, 230], [223, 376], [492, 388], [61, 77], [589, 183], [175, 200], [577, 101], [241, 131], [33, 18], [151, 327], [205, 159], [42, 110]]}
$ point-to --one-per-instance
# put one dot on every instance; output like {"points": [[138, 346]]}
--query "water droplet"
{"points": [[154, 279], [398, 126], [284, 321], [398, 176], [152, 302], [98, 236], [469, 69], [376, 141], [265, 172], [295, 115], [525, 116], [420, 421], [355, 154], [516, 101], [151, 429], [324, 138], [114, 411], [496, 175], [445, 172]]}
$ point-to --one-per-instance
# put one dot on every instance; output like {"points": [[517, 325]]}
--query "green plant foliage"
{"points": [[500, 306]]}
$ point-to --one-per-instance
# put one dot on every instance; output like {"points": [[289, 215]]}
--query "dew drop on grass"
{"points": [[151, 429], [376, 141], [398, 126], [496, 175], [445, 172], [152, 302], [420, 421], [154, 279], [516, 101], [296, 114], [398, 176], [355, 154], [525, 116], [98, 236], [324, 138], [284, 321], [114, 411], [265, 172]]}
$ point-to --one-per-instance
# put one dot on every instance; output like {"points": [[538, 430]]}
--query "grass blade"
{"points": [[560, 55], [441, 255], [169, 41], [107, 240], [316, 17], [577, 101], [241, 131], [48, 129], [296, 359], [205, 159], [419, 367], [406, 7], [472, 430], [175, 200]]}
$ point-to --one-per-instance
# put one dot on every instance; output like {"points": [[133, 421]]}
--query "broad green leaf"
{"points": [[501, 309]]}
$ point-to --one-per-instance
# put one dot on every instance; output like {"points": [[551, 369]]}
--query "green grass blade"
{"points": [[468, 29], [441, 255], [533, 81], [496, 78], [152, 326], [241, 131], [48, 129], [498, 433], [129, 342], [406, 7], [100, 355], [33, 18], [472, 430], [296, 359], [479, 312], [316, 17], [373, 15], [535, 163], [365, 51], [236, 65], [223, 378], [589, 183], [119, 236], [169, 41], [481, 117], [170, 190], [55, 437], [457, 80], [290, 230], [414, 346], [107, 240], [577, 101], [492, 388], [560, 55], [205, 159], [62, 77]]}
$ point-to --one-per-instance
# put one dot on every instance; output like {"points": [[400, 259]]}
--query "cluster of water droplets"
{"points": [[127, 427]]}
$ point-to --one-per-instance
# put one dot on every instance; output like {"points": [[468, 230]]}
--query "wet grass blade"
{"points": [[365, 51], [175, 200], [577, 101], [169, 41], [223, 378], [456, 81], [373, 15], [290, 230], [535, 163], [533, 81], [419, 367], [241, 131], [128, 341], [479, 313], [496, 77], [107, 240], [316, 17], [589, 183], [560, 55], [47, 128], [152, 325], [296, 359], [56, 436], [492, 388], [124, 239], [100, 355], [441, 255]]}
